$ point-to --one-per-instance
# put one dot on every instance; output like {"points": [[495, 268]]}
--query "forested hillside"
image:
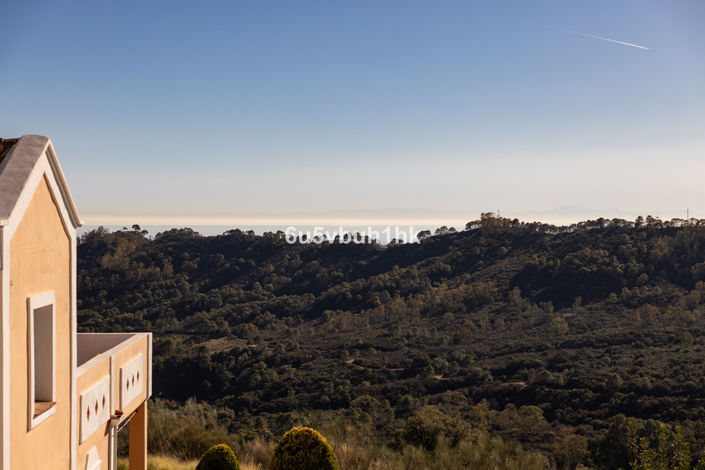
{"points": [[546, 335]]}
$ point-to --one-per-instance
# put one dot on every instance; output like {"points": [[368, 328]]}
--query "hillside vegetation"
{"points": [[559, 338]]}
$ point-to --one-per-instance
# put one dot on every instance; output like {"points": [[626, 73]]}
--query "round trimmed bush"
{"points": [[303, 448], [219, 457]]}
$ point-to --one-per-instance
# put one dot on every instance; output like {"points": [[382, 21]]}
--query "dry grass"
{"points": [[185, 432], [480, 452], [162, 462], [255, 454], [251, 466]]}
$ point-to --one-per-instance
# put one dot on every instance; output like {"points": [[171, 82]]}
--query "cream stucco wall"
{"points": [[124, 356], [100, 438], [40, 261]]}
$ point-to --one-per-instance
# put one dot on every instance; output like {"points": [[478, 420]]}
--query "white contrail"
{"points": [[605, 39]]}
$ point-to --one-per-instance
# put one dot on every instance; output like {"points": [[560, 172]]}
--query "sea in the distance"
{"points": [[382, 233]]}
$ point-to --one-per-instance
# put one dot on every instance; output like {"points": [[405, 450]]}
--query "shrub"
{"points": [[219, 457], [184, 431], [428, 424], [303, 448]]}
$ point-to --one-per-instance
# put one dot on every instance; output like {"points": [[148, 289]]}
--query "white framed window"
{"points": [[41, 348]]}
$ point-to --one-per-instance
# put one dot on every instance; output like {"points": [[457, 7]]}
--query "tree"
{"points": [[670, 451], [423, 235], [429, 424]]}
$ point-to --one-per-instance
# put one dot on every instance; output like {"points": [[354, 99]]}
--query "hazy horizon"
{"points": [[420, 218]]}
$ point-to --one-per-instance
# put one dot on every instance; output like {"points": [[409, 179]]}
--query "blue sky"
{"points": [[269, 110]]}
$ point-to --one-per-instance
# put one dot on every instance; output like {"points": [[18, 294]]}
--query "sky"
{"points": [[273, 112]]}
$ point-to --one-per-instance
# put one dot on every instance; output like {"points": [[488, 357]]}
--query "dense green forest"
{"points": [[574, 341]]}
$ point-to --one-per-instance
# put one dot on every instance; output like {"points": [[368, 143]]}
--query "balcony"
{"points": [[114, 381]]}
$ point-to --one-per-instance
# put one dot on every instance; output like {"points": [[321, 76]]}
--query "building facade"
{"points": [[64, 396]]}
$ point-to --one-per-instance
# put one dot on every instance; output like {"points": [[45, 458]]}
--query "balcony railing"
{"points": [[114, 378]]}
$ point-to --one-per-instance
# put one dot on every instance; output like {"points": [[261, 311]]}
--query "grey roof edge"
{"points": [[18, 165], [63, 186]]}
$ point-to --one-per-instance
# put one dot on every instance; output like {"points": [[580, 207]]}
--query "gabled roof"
{"points": [[5, 146], [17, 162]]}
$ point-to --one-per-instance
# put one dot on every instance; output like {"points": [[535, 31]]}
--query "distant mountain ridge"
{"points": [[584, 322]]}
